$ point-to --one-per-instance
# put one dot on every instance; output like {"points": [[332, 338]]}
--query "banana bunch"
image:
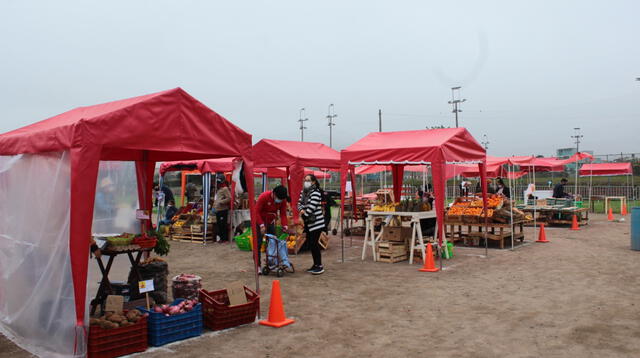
{"points": [[384, 208]]}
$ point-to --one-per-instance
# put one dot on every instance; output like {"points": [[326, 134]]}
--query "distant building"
{"points": [[565, 153]]}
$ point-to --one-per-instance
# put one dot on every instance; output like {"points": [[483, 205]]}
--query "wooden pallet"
{"points": [[194, 237], [391, 251]]}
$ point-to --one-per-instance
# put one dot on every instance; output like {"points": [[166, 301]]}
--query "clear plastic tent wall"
{"points": [[36, 290], [116, 199]]}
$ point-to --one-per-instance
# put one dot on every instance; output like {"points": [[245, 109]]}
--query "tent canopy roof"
{"points": [[278, 153], [202, 165], [449, 144], [603, 169], [124, 130]]}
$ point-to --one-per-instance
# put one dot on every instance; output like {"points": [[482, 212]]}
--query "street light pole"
{"points": [[331, 117], [302, 127], [455, 102]]}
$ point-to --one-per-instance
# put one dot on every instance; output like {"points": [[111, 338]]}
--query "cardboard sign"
{"points": [[145, 286], [235, 291], [142, 214], [114, 304]]}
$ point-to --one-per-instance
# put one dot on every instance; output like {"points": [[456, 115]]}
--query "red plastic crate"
{"points": [[219, 315], [116, 342]]}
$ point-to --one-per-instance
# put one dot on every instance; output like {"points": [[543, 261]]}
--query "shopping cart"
{"points": [[277, 257]]}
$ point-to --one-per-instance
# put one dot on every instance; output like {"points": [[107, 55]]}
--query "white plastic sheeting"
{"points": [[37, 308], [116, 199]]}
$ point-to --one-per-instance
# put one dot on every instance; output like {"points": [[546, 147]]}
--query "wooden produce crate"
{"points": [[324, 241], [391, 252], [396, 233], [300, 239]]}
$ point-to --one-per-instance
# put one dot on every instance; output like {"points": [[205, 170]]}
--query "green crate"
{"points": [[243, 242]]}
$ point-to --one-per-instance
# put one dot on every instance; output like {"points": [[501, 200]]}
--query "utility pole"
{"points": [[302, 127], [455, 102], [330, 118], [577, 137], [485, 142], [379, 120]]}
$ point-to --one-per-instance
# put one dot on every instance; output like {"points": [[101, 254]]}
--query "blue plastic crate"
{"points": [[163, 330]]}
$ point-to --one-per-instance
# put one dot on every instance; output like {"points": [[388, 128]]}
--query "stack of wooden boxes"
{"points": [[394, 245]]}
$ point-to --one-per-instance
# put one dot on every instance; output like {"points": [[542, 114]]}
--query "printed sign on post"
{"points": [[142, 214], [145, 286]]}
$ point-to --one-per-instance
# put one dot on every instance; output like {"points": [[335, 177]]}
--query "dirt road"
{"points": [[574, 297]]}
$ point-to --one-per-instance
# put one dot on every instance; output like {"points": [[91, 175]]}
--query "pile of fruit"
{"points": [[180, 308], [493, 201], [291, 241], [384, 207], [112, 320]]}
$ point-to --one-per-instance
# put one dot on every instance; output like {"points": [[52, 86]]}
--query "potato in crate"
{"points": [[109, 339]]}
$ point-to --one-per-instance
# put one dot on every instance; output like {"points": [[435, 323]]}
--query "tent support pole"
{"points": [[535, 205], [511, 204], [160, 183], [206, 192]]}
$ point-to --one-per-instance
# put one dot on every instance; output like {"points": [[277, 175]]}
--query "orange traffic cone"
{"points": [[542, 237], [624, 210], [276, 317], [429, 264], [610, 216], [574, 223]]}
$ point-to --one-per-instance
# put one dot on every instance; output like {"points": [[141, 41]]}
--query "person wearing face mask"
{"points": [[310, 207], [267, 207]]}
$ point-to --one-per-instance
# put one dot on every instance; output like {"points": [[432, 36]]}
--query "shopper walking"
{"points": [[221, 205], [310, 207]]}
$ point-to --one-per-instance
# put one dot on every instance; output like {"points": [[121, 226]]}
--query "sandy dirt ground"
{"points": [[577, 296]]}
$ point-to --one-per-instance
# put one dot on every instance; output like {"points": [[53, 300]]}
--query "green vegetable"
{"points": [[162, 246]]}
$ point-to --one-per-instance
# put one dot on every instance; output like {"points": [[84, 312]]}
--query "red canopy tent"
{"points": [[294, 157], [606, 169], [398, 149], [282, 173], [133, 129]]}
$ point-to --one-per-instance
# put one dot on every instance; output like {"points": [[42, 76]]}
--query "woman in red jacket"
{"points": [[267, 207]]}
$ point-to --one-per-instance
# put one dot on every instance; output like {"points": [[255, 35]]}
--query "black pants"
{"points": [[271, 229], [314, 237], [222, 222]]}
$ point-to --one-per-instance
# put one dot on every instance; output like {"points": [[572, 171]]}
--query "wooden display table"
{"points": [[105, 288], [495, 231], [559, 216], [371, 239]]}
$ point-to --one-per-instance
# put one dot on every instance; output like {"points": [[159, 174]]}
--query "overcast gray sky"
{"points": [[530, 70]]}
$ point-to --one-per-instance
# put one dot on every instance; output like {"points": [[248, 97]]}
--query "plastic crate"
{"points": [[219, 315], [116, 342], [243, 242], [163, 329]]}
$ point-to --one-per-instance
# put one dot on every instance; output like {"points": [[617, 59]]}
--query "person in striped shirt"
{"points": [[310, 207]]}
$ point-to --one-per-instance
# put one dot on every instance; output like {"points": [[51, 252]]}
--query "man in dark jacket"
{"points": [[558, 190]]}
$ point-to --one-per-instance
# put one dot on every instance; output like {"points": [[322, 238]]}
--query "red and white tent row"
{"points": [[605, 169], [281, 173], [435, 147], [294, 156], [44, 253]]}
